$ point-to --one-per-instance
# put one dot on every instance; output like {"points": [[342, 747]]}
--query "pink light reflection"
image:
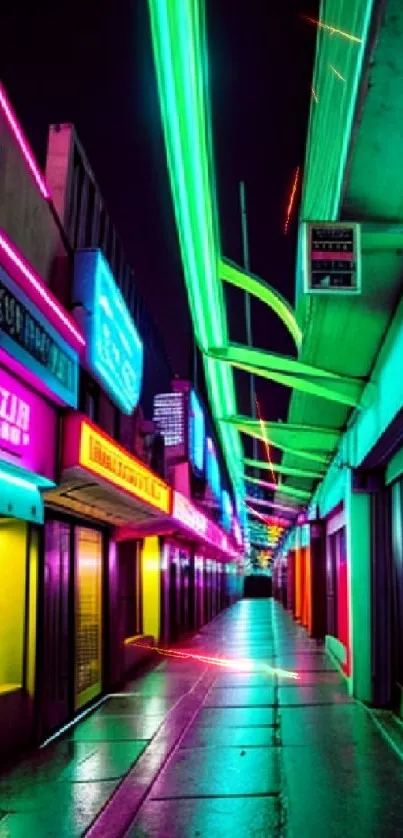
{"points": [[23, 144]]}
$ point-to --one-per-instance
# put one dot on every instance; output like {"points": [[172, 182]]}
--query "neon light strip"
{"points": [[292, 199], [36, 285], [75, 721], [178, 39], [23, 144], [281, 488], [5, 477]]}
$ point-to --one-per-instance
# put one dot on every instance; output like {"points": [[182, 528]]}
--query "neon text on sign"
{"points": [[188, 514], [27, 427], [14, 420], [169, 416], [102, 456], [114, 347]]}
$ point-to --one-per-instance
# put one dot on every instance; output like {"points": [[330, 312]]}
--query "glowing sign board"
{"points": [[27, 427], [213, 471], [89, 448], [331, 257], [227, 510], [194, 520], [169, 415], [28, 337], [114, 347], [196, 432]]}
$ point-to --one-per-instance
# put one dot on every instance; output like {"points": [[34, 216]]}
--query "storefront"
{"points": [[91, 547], [39, 351], [337, 596]]}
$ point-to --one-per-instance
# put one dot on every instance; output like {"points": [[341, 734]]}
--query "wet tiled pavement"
{"points": [[190, 751]]}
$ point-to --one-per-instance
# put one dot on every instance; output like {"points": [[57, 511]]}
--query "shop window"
{"points": [[129, 590], [88, 558], [13, 581]]}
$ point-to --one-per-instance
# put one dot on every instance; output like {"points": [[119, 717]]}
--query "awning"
{"points": [[101, 480], [20, 493]]}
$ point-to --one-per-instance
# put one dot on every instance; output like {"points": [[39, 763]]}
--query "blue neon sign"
{"points": [[213, 470], [114, 347], [227, 510], [196, 432]]}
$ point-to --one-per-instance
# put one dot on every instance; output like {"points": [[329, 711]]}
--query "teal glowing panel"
{"points": [[197, 433], [114, 347], [213, 470], [226, 510]]}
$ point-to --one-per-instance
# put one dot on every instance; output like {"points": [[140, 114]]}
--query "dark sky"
{"points": [[94, 68]]}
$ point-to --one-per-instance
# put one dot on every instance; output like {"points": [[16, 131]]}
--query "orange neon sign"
{"points": [[103, 457]]}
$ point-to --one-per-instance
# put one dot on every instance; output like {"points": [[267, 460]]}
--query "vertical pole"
{"points": [[248, 315]]}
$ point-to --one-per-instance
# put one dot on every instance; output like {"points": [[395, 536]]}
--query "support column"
{"points": [[358, 536]]}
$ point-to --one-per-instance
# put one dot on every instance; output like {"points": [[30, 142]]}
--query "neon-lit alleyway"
{"points": [[195, 750]]}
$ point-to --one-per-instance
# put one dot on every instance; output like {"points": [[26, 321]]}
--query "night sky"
{"points": [[95, 69]]}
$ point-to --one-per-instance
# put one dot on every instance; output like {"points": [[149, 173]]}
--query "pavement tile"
{"points": [[254, 818], [214, 737], [341, 790], [235, 716], [314, 724], [313, 694], [62, 811], [109, 761], [108, 728], [240, 697], [219, 772], [136, 705]]}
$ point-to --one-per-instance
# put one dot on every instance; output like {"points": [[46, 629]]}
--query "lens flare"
{"points": [[245, 665]]}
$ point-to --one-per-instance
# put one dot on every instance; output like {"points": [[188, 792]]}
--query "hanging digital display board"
{"points": [[169, 416], [114, 347], [197, 431], [331, 257]]}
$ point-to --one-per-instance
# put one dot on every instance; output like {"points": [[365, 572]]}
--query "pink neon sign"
{"points": [[20, 270], [27, 427], [198, 523], [16, 129]]}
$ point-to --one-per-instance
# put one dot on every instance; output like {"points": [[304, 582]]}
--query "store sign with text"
{"points": [[114, 347], [88, 447], [29, 339], [27, 427]]}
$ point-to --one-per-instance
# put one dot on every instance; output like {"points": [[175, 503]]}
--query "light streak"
{"points": [[339, 75], [332, 29], [314, 94], [292, 200], [245, 665], [266, 441]]}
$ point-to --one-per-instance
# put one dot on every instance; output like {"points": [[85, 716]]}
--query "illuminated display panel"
{"points": [[88, 447], [332, 258], [197, 433], [213, 470], [27, 427], [28, 337], [227, 510], [169, 415], [114, 347]]}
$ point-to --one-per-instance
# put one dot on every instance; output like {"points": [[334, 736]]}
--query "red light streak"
{"points": [[266, 441], [332, 29], [292, 200], [226, 663]]}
